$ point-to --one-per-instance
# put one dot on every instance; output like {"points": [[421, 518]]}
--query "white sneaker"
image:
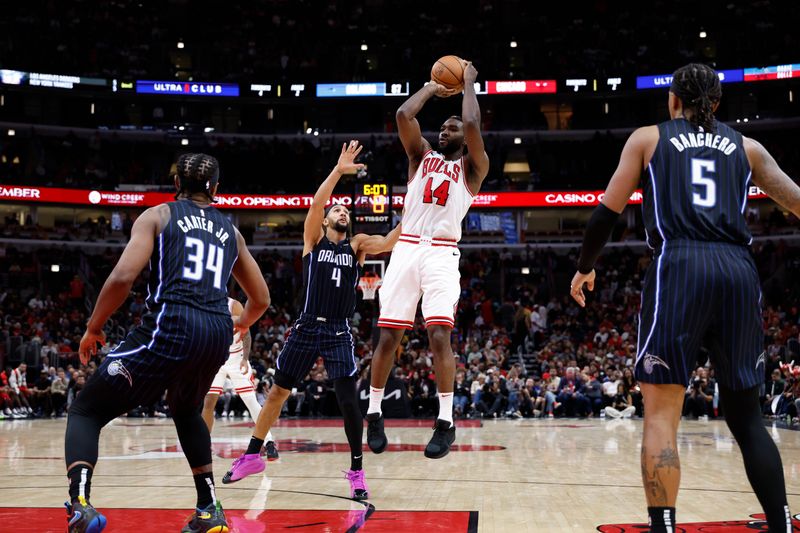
{"points": [[246, 414], [702, 418], [551, 415], [224, 414], [7, 411]]}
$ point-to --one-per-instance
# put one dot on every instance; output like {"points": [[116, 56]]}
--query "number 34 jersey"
{"points": [[192, 260], [437, 199], [696, 186]]}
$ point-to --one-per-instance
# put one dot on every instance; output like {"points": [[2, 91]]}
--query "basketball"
{"points": [[448, 71]]}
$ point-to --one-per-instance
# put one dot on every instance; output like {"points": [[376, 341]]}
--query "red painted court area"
{"points": [[43, 520]]}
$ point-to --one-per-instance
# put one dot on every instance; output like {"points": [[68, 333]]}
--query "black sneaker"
{"points": [[376, 438], [272, 451], [443, 436], [208, 520], [83, 518]]}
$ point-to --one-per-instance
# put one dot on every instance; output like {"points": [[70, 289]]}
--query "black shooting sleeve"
{"points": [[597, 233]]}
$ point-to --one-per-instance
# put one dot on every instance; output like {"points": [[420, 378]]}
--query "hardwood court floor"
{"points": [[515, 476]]}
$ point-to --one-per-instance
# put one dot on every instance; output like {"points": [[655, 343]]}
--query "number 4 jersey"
{"points": [[696, 186], [330, 276], [437, 200], [192, 260]]}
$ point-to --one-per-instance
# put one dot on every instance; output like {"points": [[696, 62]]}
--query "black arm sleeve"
{"points": [[598, 230]]}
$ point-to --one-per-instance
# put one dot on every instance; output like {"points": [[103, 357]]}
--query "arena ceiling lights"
{"points": [[373, 89]]}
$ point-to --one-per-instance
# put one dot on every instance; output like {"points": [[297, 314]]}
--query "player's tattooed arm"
{"points": [[247, 343], [767, 175], [312, 229]]}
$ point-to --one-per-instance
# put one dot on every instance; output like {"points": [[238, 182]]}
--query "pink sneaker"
{"points": [[358, 484], [244, 466]]}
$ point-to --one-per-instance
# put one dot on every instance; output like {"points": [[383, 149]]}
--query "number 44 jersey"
{"points": [[696, 186], [437, 200], [425, 260]]}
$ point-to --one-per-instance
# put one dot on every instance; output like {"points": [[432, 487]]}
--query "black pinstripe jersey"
{"points": [[330, 277], [192, 259], [696, 185]]}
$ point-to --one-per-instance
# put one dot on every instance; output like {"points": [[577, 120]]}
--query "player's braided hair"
{"points": [[198, 173], [699, 89]]}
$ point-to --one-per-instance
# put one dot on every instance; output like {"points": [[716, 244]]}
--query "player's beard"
{"points": [[449, 148], [340, 227]]}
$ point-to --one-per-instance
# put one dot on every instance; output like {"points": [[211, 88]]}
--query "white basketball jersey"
{"points": [[237, 346], [437, 200]]}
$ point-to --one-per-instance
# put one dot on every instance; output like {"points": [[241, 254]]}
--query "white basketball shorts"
{"points": [[422, 270]]}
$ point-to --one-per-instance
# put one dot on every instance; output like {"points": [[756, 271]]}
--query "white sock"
{"points": [[446, 406], [269, 438], [250, 401], [375, 399]]}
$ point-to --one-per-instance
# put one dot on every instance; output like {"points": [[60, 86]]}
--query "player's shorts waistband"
{"points": [[427, 240], [307, 317], [705, 245]]}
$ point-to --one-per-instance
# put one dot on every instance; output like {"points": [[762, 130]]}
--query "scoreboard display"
{"points": [[372, 207]]}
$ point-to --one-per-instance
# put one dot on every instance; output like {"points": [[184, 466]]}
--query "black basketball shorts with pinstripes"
{"points": [[701, 294], [310, 339], [179, 348]]}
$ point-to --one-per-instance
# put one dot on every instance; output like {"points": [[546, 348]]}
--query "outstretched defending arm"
{"points": [[471, 116], [117, 287], [312, 230], [364, 245]]}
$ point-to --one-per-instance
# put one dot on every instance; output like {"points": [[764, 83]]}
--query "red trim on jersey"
{"points": [[448, 324], [240, 350], [435, 241], [383, 319], [246, 389], [392, 326], [215, 390], [395, 324]]}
